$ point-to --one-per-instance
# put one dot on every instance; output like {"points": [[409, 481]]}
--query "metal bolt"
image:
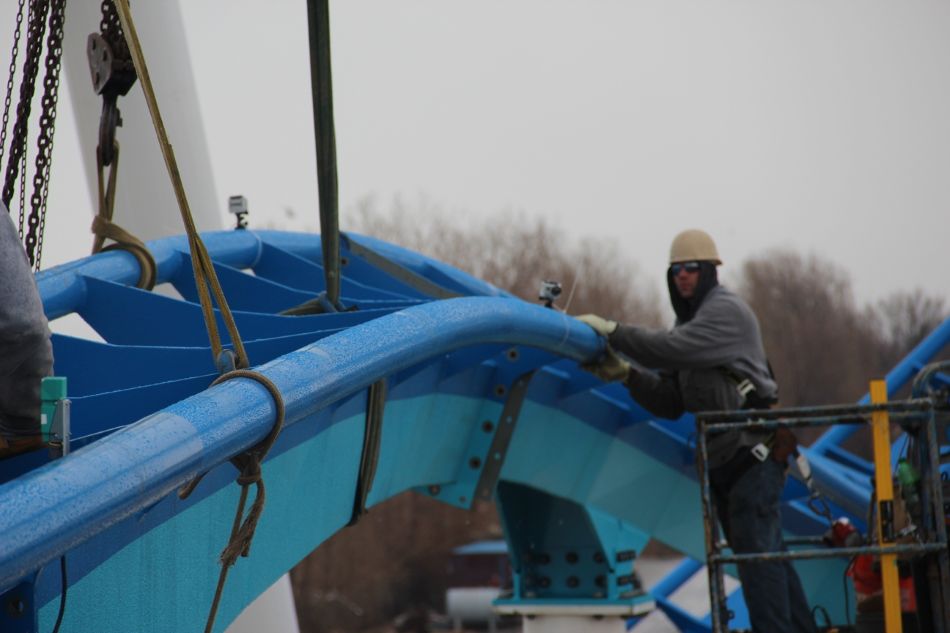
{"points": [[599, 557], [474, 463], [488, 426], [513, 354], [17, 606], [344, 261], [571, 558], [573, 582], [434, 490], [500, 390]]}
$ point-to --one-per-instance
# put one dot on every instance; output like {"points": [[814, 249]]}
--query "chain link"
{"points": [[44, 157], [36, 28], [10, 79], [111, 29], [23, 189]]}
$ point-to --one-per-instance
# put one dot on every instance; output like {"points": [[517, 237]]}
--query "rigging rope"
{"points": [[104, 228], [249, 466], [206, 280]]}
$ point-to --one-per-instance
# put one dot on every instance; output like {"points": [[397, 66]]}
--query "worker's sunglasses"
{"points": [[690, 267]]}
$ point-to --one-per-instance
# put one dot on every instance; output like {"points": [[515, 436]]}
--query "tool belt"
{"points": [[723, 477], [778, 446]]}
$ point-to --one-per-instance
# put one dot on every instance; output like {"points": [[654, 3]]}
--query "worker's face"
{"points": [[686, 278]]}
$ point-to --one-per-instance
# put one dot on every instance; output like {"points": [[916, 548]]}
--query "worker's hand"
{"points": [[610, 367], [600, 325]]}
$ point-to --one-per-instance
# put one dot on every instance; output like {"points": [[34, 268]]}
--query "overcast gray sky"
{"points": [[821, 126]]}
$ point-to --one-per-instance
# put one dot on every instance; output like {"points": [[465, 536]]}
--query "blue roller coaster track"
{"points": [[484, 399]]}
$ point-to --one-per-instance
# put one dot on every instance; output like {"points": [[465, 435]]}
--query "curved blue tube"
{"points": [[52, 509], [896, 378]]}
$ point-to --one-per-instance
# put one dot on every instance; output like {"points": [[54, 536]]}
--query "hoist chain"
{"points": [[111, 29], [44, 156], [36, 28], [22, 197], [8, 98]]}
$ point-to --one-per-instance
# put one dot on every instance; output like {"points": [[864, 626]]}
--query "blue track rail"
{"points": [[145, 423]]}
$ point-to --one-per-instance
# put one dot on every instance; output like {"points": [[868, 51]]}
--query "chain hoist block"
{"points": [[112, 77]]}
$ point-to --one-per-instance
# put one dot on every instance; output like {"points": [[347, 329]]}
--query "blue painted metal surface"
{"points": [[110, 506], [167, 449]]}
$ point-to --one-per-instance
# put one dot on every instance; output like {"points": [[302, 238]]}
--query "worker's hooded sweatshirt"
{"points": [[697, 365]]}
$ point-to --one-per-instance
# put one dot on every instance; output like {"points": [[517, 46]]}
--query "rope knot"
{"points": [[248, 464], [250, 468]]}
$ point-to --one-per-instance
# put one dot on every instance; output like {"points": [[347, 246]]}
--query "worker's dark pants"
{"points": [[749, 513]]}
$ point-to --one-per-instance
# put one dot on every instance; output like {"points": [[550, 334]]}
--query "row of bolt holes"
{"points": [[487, 426], [475, 462], [573, 582], [572, 559]]}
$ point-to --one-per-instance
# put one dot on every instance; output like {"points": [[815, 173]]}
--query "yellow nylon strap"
{"points": [[206, 281], [105, 229]]}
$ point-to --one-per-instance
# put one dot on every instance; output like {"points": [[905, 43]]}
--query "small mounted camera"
{"points": [[237, 205], [549, 292]]}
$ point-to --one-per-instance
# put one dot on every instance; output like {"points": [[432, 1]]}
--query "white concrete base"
{"points": [[573, 624], [273, 612]]}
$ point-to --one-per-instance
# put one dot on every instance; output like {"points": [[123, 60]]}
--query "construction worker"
{"points": [[712, 360], [26, 355]]}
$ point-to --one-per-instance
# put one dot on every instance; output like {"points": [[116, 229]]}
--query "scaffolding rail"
{"points": [[917, 417]]}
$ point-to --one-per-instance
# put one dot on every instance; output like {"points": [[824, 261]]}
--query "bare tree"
{"points": [[902, 321], [813, 332], [516, 252]]}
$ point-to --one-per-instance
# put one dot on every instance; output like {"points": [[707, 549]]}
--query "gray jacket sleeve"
{"points": [[713, 338], [26, 355], [723, 333]]}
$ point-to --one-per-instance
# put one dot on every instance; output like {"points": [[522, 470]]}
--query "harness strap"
{"points": [[372, 436]]}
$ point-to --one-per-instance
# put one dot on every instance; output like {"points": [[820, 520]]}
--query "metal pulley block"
{"points": [[111, 76]]}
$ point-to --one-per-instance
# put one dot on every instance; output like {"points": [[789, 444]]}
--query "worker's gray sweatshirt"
{"points": [[26, 355], [691, 366]]}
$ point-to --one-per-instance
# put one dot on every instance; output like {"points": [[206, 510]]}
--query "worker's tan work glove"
{"points": [[610, 367], [602, 326]]}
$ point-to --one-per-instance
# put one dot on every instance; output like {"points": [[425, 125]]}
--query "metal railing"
{"points": [[916, 415]]}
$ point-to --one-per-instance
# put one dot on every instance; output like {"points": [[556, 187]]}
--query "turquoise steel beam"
{"points": [[48, 511]]}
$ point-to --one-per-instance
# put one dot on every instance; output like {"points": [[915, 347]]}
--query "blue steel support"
{"points": [[52, 509], [565, 555], [896, 378]]}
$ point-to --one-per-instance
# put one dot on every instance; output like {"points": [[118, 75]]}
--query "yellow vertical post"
{"points": [[884, 485]]}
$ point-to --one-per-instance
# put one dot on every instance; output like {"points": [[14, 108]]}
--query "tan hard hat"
{"points": [[693, 245]]}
